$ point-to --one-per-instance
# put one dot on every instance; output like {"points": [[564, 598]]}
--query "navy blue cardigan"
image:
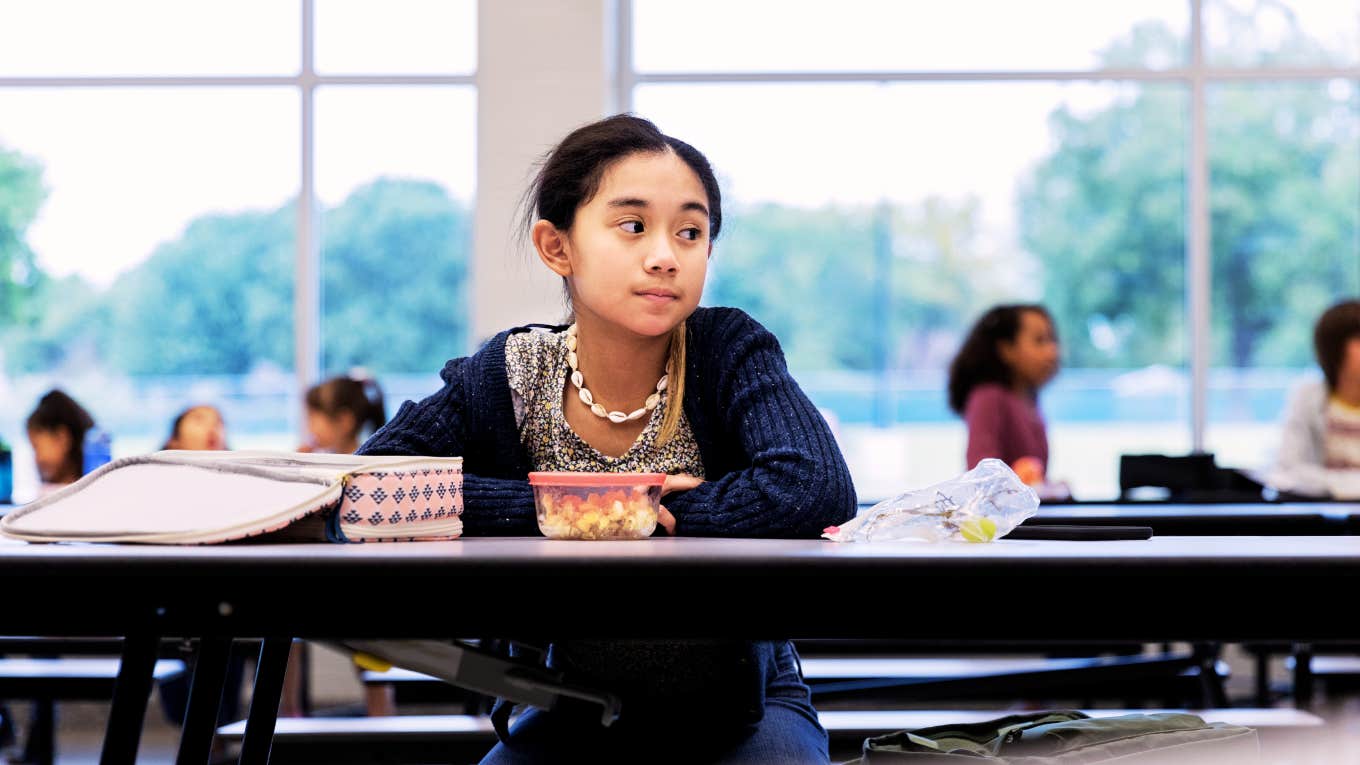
{"points": [[773, 468]]}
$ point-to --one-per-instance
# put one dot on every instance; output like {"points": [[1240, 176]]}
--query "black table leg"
{"points": [[1303, 676], [1212, 693], [264, 701], [40, 747], [205, 699], [1262, 676], [131, 691]]}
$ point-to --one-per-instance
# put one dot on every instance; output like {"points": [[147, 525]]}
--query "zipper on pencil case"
{"points": [[412, 531]]}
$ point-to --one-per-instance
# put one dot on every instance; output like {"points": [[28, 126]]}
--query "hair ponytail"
{"points": [[356, 393], [675, 386], [376, 416]]}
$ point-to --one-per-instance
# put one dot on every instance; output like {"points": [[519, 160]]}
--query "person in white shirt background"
{"points": [[1319, 452]]}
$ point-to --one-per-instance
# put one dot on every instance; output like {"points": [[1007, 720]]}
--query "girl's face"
{"points": [[637, 253], [201, 429], [50, 448], [333, 433], [1348, 374], [1033, 355]]}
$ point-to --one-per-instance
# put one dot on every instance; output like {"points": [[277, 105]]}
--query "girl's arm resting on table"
{"points": [[435, 427], [498, 507], [797, 483]]}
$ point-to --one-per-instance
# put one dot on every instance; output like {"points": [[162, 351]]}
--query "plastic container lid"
{"points": [[565, 478]]}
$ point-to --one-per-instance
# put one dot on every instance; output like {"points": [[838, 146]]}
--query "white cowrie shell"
{"points": [[653, 401], [617, 417], [599, 410], [571, 342], [637, 413], [571, 331], [578, 379], [571, 359], [584, 393], [661, 384]]}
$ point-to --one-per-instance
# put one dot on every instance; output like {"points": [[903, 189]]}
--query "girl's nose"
{"points": [[661, 258]]}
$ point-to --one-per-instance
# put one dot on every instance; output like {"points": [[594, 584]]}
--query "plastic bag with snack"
{"points": [[984, 504]]}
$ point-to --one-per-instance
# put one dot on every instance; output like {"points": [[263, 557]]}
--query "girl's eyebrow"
{"points": [[635, 202]]}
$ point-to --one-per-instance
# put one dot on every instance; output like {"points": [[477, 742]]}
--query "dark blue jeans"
{"points": [[788, 733]]}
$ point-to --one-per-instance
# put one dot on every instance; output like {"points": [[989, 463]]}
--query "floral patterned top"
{"points": [[536, 363]]}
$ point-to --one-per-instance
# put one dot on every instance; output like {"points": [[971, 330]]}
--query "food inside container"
{"points": [[597, 505]]}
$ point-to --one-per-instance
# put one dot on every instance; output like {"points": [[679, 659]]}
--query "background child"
{"points": [[198, 428], [340, 411], [201, 428], [643, 380], [1010, 353], [1320, 441], [56, 429]]}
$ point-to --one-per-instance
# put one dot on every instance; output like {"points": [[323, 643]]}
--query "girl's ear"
{"points": [[1006, 350], [552, 246]]}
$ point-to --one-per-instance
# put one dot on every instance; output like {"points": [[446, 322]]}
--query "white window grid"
{"points": [[1196, 75], [307, 289]]}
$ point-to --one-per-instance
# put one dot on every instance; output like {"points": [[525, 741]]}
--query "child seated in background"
{"points": [[198, 428], [340, 411], [1010, 353], [56, 430], [1319, 451], [201, 428]]}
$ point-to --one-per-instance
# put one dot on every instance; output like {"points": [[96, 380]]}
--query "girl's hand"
{"points": [[678, 482], [665, 520]]}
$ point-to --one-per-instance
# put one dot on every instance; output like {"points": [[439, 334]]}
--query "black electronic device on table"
{"points": [[1081, 533]]}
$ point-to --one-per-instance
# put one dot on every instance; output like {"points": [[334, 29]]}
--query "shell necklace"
{"points": [[598, 410]]}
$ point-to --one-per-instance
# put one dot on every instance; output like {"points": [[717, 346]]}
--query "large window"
{"points": [[153, 162], [223, 202], [893, 169]]}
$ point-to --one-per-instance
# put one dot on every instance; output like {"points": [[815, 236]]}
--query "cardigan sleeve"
{"points": [[437, 426], [797, 482]]}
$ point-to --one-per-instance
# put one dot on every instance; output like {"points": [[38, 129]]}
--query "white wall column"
{"points": [[544, 67]]}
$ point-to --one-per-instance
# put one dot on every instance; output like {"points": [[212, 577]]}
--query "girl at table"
{"points": [[56, 430], [1319, 453], [994, 381], [341, 410], [198, 428], [641, 379], [201, 428]]}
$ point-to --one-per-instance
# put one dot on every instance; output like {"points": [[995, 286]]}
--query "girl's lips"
{"points": [[657, 296]]}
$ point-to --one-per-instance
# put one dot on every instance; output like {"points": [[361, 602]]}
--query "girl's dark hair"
{"points": [[978, 360], [359, 395], [571, 172], [1334, 329], [58, 411]]}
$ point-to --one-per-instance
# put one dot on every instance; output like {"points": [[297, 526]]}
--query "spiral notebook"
{"points": [[187, 497]]}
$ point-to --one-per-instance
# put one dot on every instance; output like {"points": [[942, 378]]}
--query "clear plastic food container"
{"points": [[597, 505]]}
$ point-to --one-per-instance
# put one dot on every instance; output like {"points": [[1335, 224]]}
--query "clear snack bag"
{"points": [[979, 506]]}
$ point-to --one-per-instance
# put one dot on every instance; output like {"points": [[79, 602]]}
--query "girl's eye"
{"points": [[632, 226], [691, 234]]}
